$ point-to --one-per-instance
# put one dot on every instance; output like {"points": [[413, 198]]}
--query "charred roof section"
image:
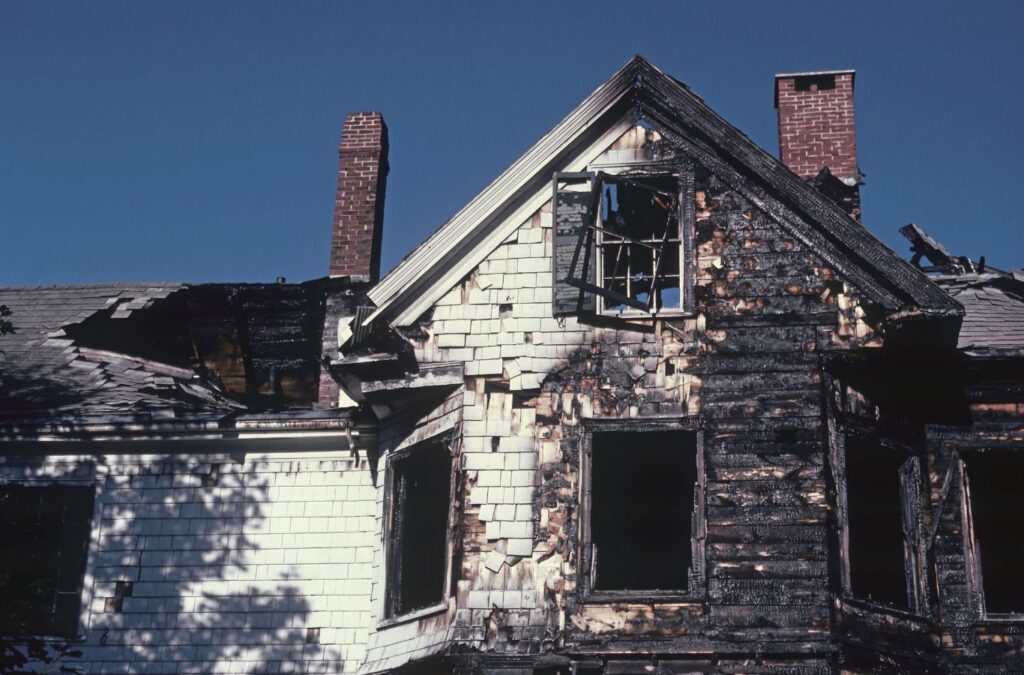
{"points": [[175, 352]]}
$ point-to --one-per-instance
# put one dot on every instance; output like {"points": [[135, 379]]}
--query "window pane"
{"points": [[641, 502], [670, 262], [644, 206], [669, 296], [875, 519], [996, 498]]}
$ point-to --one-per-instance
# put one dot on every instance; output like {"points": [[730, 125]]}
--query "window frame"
{"points": [[912, 506], [392, 552], [590, 279], [971, 545], [697, 586], [601, 258], [94, 480]]}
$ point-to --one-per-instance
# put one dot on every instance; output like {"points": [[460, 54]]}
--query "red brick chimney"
{"points": [[816, 132], [359, 204]]}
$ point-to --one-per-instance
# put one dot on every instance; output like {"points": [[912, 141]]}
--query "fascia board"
{"points": [[462, 224], [502, 231]]}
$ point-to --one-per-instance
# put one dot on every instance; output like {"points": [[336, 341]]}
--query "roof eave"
{"points": [[458, 229]]}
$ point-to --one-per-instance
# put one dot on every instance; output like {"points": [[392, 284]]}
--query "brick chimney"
{"points": [[359, 204], [816, 132]]}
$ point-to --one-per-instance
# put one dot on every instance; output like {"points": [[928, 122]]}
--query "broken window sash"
{"points": [[628, 244], [45, 530]]}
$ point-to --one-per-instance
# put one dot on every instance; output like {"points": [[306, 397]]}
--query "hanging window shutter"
{"points": [[576, 196]]}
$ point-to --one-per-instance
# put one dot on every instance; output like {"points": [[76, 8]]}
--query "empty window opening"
{"points": [[45, 535], [874, 496], [639, 243], [642, 504], [994, 480], [418, 541]]}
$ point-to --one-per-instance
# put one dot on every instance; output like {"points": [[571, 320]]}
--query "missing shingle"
{"points": [[122, 590], [210, 479], [312, 636]]}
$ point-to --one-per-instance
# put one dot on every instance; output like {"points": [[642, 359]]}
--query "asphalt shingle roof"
{"points": [[46, 377], [994, 306]]}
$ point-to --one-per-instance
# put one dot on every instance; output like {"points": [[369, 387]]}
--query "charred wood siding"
{"points": [[745, 367], [761, 293]]}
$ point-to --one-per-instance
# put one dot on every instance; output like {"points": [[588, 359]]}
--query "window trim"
{"points": [[684, 169], [96, 479], [697, 587], [915, 567], [388, 615]]}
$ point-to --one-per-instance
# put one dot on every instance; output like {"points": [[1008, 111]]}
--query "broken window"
{"points": [[643, 511], [418, 527], [995, 496], [620, 241], [45, 535], [882, 523]]}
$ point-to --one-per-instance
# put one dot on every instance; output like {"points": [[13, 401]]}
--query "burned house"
{"points": [[652, 402]]}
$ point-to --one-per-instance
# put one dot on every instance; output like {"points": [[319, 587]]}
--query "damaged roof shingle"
{"points": [[994, 311], [85, 355]]}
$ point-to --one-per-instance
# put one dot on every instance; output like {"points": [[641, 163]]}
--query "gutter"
{"points": [[249, 434]]}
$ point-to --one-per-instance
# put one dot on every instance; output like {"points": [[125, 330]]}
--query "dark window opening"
{"points": [[874, 495], [995, 487], [418, 541], [642, 503], [45, 535], [814, 82]]}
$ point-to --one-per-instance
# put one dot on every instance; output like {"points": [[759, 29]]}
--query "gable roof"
{"points": [[639, 89]]}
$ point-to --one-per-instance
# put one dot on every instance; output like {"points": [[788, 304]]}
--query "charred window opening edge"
{"points": [[582, 235], [908, 515], [696, 575], [993, 543], [405, 596]]}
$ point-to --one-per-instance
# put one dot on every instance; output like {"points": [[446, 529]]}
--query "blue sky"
{"points": [[197, 141]]}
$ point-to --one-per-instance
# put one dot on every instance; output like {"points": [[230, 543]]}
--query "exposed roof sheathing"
{"points": [[46, 376], [157, 355]]}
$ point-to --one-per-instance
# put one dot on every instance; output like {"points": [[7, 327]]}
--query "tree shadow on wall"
{"points": [[193, 571]]}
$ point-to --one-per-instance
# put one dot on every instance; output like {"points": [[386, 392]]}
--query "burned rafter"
{"points": [[942, 261]]}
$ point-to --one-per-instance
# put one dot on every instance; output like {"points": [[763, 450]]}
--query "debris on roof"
{"points": [[993, 300]]}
